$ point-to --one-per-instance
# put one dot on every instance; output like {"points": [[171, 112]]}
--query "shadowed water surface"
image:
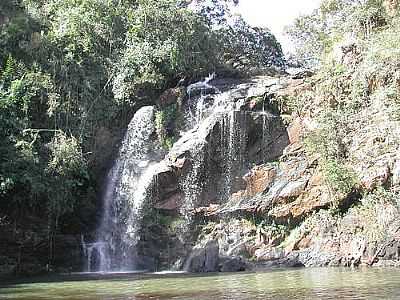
{"points": [[329, 283]]}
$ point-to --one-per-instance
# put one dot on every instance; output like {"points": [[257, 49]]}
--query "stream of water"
{"points": [[126, 189], [328, 283]]}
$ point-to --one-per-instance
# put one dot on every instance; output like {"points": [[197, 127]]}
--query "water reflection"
{"points": [[279, 284]]}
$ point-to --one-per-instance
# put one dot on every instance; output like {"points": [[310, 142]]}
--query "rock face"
{"points": [[207, 163], [287, 214], [291, 189], [240, 191], [206, 148], [233, 264], [205, 259]]}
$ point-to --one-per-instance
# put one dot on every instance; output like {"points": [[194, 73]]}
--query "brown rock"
{"points": [[305, 242], [294, 188], [295, 131], [207, 211], [258, 180], [173, 96], [314, 197], [375, 176], [173, 202]]}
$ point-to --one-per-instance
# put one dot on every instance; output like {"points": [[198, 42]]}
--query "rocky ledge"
{"points": [[288, 214]]}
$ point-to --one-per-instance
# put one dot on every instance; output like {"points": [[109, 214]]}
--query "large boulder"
{"points": [[232, 264], [204, 260]]}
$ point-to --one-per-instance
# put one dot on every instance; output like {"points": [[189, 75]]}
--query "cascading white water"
{"points": [[133, 176], [127, 185], [227, 114]]}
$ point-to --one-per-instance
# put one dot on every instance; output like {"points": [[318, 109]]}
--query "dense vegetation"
{"points": [[73, 72], [354, 45]]}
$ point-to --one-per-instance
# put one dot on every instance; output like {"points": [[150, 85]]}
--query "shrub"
{"points": [[339, 177], [167, 121]]}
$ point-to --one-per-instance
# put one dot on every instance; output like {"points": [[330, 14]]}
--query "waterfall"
{"points": [[227, 115], [233, 148], [192, 184], [217, 126], [127, 186]]}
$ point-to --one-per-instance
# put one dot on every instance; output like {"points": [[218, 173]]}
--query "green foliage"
{"points": [[166, 124], [316, 33], [66, 156], [274, 229], [329, 143], [339, 177], [163, 41], [327, 140], [376, 213], [250, 48], [377, 76]]}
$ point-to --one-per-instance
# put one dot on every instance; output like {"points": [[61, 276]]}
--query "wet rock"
{"points": [[203, 260], [232, 264], [269, 253], [267, 137], [290, 261], [172, 96], [173, 202]]}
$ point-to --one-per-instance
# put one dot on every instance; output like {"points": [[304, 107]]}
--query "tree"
{"points": [[158, 51], [315, 34]]}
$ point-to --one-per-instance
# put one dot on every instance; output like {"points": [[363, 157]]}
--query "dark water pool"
{"points": [[328, 283]]}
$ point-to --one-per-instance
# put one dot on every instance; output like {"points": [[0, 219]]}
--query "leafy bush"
{"points": [[250, 48], [377, 212], [167, 121], [329, 143], [157, 49], [339, 177], [316, 33]]}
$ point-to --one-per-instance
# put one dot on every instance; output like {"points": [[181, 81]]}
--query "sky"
{"points": [[275, 14]]}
